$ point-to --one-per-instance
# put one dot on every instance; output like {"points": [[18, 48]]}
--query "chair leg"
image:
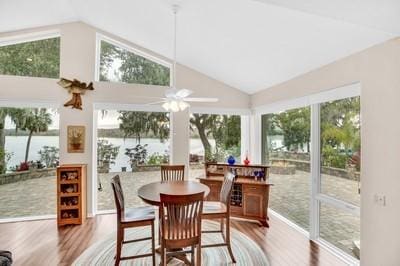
{"points": [[153, 248], [120, 239], [163, 255], [222, 222], [192, 258], [198, 255], [228, 239]]}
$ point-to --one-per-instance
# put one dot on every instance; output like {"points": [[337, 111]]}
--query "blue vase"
{"points": [[231, 160]]}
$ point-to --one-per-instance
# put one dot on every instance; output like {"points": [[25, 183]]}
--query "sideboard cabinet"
{"points": [[250, 192]]}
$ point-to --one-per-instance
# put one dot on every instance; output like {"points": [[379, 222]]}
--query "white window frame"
{"points": [[314, 101], [101, 37], [4, 103], [29, 37]]}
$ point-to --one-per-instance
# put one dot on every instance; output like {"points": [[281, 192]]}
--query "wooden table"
{"points": [[150, 194]]}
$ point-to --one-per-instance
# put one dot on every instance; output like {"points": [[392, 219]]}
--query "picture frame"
{"points": [[76, 139]]}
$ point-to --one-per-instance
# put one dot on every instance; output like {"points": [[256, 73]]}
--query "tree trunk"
{"points": [[2, 145], [203, 137], [28, 144]]}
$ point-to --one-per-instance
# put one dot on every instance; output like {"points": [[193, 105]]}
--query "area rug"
{"points": [[246, 251]]}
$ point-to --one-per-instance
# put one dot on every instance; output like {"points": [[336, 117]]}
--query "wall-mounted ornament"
{"points": [[76, 139], [76, 88]]}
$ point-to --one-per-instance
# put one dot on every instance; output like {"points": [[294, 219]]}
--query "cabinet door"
{"points": [[253, 205]]}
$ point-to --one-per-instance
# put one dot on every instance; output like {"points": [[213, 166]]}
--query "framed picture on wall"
{"points": [[76, 139]]}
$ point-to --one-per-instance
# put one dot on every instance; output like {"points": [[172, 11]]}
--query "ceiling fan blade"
{"points": [[149, 97], [207, 100], [183, 93], [155, 103]]}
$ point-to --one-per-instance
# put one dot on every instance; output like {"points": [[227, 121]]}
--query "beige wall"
{"points": [[378, 70], [78, 43]]}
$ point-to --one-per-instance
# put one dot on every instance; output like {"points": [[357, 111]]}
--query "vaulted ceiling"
{"points": [[248, 44]]}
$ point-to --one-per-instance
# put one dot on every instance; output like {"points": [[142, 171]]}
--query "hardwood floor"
{"points": [[41, 243]]}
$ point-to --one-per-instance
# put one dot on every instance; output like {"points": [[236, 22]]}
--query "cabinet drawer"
{"points": [[253, 189]]}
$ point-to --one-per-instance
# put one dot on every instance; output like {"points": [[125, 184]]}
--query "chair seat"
{"points": [[139, 214], [214, 207]]}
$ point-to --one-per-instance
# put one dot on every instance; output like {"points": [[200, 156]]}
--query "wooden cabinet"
{"points": [[71, 194], [250, 195]]}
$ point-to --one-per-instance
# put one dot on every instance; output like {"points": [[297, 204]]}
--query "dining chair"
{"points": [[221, 210], [181, 225], [172, 172], [128, 218]]}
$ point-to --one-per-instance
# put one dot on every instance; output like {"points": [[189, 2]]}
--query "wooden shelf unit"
{"points": [[250, 194], [71, 194]]}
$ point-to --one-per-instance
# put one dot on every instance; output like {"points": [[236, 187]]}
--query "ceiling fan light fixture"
{"points": [[183, 105], [166, 106], [174, 106]]}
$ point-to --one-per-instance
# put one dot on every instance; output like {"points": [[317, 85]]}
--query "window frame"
{"points": [[101, 37], [316, 197]]}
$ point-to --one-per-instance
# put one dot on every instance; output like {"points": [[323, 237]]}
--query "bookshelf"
{"points": [[71, 194]]}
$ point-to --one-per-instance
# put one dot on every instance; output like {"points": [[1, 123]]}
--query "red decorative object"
{"points": [[246, 161]]}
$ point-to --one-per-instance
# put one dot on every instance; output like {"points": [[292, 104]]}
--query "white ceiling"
{"points": [[248, 44]]}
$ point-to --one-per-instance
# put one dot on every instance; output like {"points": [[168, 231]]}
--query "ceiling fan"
{"points": [[178, 99]]}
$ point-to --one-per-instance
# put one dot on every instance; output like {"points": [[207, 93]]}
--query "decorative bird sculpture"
{"points": [[76, 88]]}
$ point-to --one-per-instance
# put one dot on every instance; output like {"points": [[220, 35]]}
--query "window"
{"points": [[314, 154], [28, 158], [286, 148], [131, 144], [119, 64], [213, 138], [39, 58]]}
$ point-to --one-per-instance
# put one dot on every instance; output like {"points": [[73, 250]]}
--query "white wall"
{"points": [[78, 46], [378, 70]]}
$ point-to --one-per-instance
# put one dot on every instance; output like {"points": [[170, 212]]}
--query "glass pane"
{"points": [[213, 138], [120, 65], [132, 145], [340, 149], [34, 59], [340, 228], [286, 147], [28, 161]]}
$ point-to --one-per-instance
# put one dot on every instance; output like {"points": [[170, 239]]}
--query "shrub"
{"points": [[49, 156]]}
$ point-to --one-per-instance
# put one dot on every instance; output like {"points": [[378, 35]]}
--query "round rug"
{"points": [[246, 251]]}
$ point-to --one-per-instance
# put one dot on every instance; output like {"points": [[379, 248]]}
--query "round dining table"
{"points": [[150, 193]]}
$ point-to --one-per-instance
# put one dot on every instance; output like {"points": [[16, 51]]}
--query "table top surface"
{"points": [[150, 193]]}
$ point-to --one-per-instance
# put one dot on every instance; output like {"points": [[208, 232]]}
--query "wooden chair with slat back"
{"points": [[128, 218], [181, 224], [172, 172], [221, 210]]}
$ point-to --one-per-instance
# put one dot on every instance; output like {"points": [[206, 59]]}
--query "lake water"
{"points": [[17, 145]]}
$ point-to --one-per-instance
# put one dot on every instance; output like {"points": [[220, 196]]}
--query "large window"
{"points": [[213, 138], [320, 193], [118, 64], [28, 157], [131, 144], [39, 58], [286, 147]]}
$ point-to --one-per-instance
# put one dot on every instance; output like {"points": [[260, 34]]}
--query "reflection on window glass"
{"points": [[340, 228], [33, 59], [133, 145], [120, 65], [29, 155], [340, 149], [213, 138], [286, 148]]}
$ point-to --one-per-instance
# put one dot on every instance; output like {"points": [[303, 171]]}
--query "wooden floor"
{"points": [[41, 243]]}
